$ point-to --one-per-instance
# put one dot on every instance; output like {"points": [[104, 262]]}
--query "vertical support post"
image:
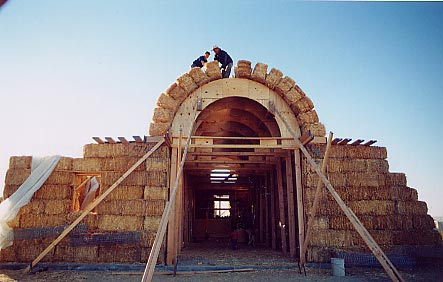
{"points": [[262, 210], [273, 221], [170, 253], [290, 200], [300, 210], [281, 207], [266, 190]]}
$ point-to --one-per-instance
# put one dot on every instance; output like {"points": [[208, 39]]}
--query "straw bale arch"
{"points": [[270, 89]]}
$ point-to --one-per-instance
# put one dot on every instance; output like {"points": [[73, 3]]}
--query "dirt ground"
{"points": [[263, 264]]}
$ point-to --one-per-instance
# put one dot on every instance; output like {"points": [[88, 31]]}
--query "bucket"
{"points": [[338, 266]]}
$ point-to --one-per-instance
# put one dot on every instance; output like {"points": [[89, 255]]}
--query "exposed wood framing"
{"points": [[290, 201], [281, 207]]}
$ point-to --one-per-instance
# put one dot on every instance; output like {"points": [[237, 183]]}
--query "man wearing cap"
{"points": [[200, 61], [224, 59]]}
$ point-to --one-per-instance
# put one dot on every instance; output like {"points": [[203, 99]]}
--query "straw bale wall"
{"points": [[381, 199], [134, 206]]}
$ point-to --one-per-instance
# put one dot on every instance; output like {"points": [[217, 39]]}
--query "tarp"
{"points": [[41, 169]]}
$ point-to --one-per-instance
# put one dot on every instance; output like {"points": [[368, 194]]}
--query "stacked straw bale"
{"points": [[381, 199], [243, 69]]}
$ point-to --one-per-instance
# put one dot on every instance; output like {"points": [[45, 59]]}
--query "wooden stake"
{"points": [[281, 207], [366, 236], [315, 204], [299, 190], [290, 200], [92, 205]]}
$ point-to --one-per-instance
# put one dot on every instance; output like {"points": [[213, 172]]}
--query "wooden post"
{"points": [[267, 210], [290, 200], [92, 205], [305, 244], [299, 191], [171, 240], [281, 207], [365, 235], [262, 209], [273, 221]]}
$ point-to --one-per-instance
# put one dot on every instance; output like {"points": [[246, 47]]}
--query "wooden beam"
{"points": [[137, 139], [110, 140], [170, 243], [273, 220], [281, 207], [123, 140], [306, 137], [92, 205], [305, 243], [357, 142], [290, 200], [336, 140], [370, 142], [299, 194], [98, 140], [344, 141]]}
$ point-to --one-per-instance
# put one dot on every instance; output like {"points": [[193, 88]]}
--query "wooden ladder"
{"points": [[92, 205], [365, 235]]}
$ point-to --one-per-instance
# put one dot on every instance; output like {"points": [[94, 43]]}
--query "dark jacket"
{"points": [[198, 62], [223, 58]]}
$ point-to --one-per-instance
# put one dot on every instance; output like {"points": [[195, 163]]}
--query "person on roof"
{"points": [[224, 59], [201, 61]]}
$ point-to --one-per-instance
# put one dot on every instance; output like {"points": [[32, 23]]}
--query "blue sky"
{"points": [[70, 70]]}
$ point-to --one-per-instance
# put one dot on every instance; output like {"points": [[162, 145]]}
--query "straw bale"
{"points": [[377, 165], [316, 129], [155, 193], [126, 193], [167, 102], [365, 179], [337, 238], [152, 223], [243, 69], [423, 221], [415, 237], [285, 84], [65, 163], [259, 73], [115, 150], [294, 94], [136, 178], [365, 193], [157, 178], [15, 223], [60, 178], [155, 207], [133, 207], [404, 193], [321, 223], [52, 192], [148, 238], [9, 189], [35, 206], [366, 152], [186, 82], [412, 207], [158, 129], [8, 255], [346, 165], [23, 162], [319, 254], [213, 70], [57, 206], [162, 115], [382, 237], [273, 78], [27, 250], [120, 164], [303, 105], [199, 77], [16, 176], [307, 117], [91, 220], [372, 207], [119, 253], [87, 164], [396, 179], [75, 253], [160, 164], [176, 92], [120, 223], [41, 220]]}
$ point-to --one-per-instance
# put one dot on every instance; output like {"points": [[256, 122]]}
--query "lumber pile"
{"points": [[383, 202], [120, 229]]}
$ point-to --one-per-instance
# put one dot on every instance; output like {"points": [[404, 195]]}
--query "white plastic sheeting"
{"points": [[41, 169], [90, 191]]}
